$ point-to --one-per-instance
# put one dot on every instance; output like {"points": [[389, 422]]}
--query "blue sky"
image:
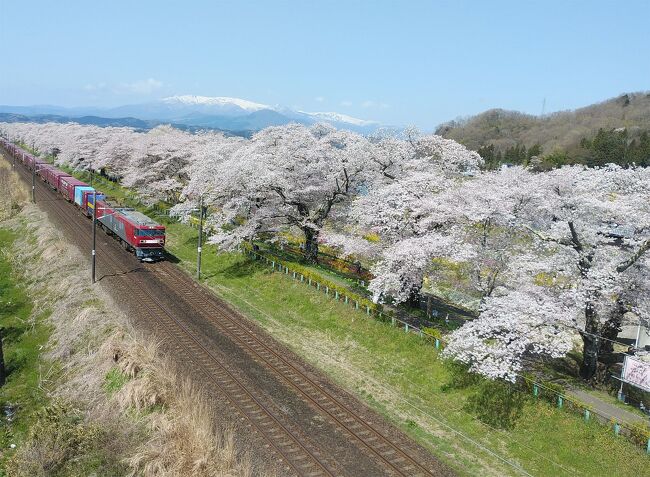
{"points": [[398, 62]]}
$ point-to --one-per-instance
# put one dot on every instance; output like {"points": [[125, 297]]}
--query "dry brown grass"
{"points": [[13, 191], [185, 436], [156, 423]]}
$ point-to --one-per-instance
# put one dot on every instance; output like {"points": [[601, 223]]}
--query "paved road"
{"points": [[607, 409]]}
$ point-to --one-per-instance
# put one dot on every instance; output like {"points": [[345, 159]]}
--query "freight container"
{"points": [[67, 186], [43, 170], [51, 175], [29, 160], [88, 204], [78, 194], [55, 178]]}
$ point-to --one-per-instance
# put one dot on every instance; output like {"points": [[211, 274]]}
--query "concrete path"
{"points": [[607, 409]]}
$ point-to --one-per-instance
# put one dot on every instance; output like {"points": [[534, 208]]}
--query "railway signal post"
{"points": [[198, 250], [94, 233], [34, 181]]}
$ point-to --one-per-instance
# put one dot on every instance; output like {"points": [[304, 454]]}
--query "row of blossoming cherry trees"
{"points": [[554, 259]]}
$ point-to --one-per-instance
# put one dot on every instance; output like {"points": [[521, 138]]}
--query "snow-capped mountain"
{"points": [[339, 118], [218, 112], [220, 101]]}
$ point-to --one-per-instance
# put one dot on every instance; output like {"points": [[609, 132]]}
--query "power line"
{"points": [[439, 421]]}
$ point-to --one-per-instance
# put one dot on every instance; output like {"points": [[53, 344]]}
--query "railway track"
{"points": [[284, 440], [392, 456], [301, 456]]}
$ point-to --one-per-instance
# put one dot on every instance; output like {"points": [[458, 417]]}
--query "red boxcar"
{"points": [[44, 171], [31, 161], [67, 185], [55, 178], [52, 175]]}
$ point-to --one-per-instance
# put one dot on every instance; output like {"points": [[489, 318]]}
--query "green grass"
{"points": [[400, 376], [47, 426], [114, 381], [24, 336]]}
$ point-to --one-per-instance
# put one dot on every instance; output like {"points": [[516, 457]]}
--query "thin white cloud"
{"points": [[374, 104], [146, 86], [95, 87], [346, 103], [141, 87], [319, 99]]}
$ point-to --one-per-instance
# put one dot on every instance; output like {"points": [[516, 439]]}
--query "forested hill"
{"points": [[586, 135]]}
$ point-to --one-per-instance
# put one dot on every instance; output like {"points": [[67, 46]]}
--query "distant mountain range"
{"points": [[561, 131], [233, 115]]}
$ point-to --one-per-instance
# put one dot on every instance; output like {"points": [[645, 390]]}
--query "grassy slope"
{"points": [[401, 377], [24, 336], [32, 380]]}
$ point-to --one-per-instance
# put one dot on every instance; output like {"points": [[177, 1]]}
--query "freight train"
{"points": [[136, 232]]}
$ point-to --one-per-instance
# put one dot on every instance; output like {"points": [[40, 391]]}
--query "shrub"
{"points": [[460, 376], [56, 441], [497, 403], [433, 332], [640, 435], [333, 287]]}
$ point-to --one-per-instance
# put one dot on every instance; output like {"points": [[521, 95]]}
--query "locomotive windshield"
{"points": [[150, 232]]}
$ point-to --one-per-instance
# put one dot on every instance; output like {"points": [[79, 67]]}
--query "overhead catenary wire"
{"points": [[436, 419], [564, 396]]}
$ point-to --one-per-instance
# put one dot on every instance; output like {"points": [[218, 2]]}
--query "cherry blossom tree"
{"points": [[598, 222], [403, 207], [582, 266], [158, 162], [283, 177], [513, 328]]}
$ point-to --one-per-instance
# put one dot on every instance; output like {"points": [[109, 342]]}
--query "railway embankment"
{"points": [[85, 393], [397, 375]]}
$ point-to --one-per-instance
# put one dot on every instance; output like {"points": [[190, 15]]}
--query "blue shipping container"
{"points": [[78, 196], [91, 204]]}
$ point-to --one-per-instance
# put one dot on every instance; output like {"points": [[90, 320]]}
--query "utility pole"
{"points": [[638, 335], [198, 250], [94, 231]]}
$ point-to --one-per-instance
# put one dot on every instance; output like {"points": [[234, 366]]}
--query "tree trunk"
{"points": [[311, 244], [589, 356], [598, 340], [591, 344], [610, 330]]}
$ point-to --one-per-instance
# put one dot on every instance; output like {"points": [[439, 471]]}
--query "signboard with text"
{"points": [[637, 372]]}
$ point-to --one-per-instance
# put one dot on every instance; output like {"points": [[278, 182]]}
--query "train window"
{"points": [[150, 233]]}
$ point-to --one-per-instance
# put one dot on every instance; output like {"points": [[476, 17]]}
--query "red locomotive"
{"points": [[136, 232]]}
